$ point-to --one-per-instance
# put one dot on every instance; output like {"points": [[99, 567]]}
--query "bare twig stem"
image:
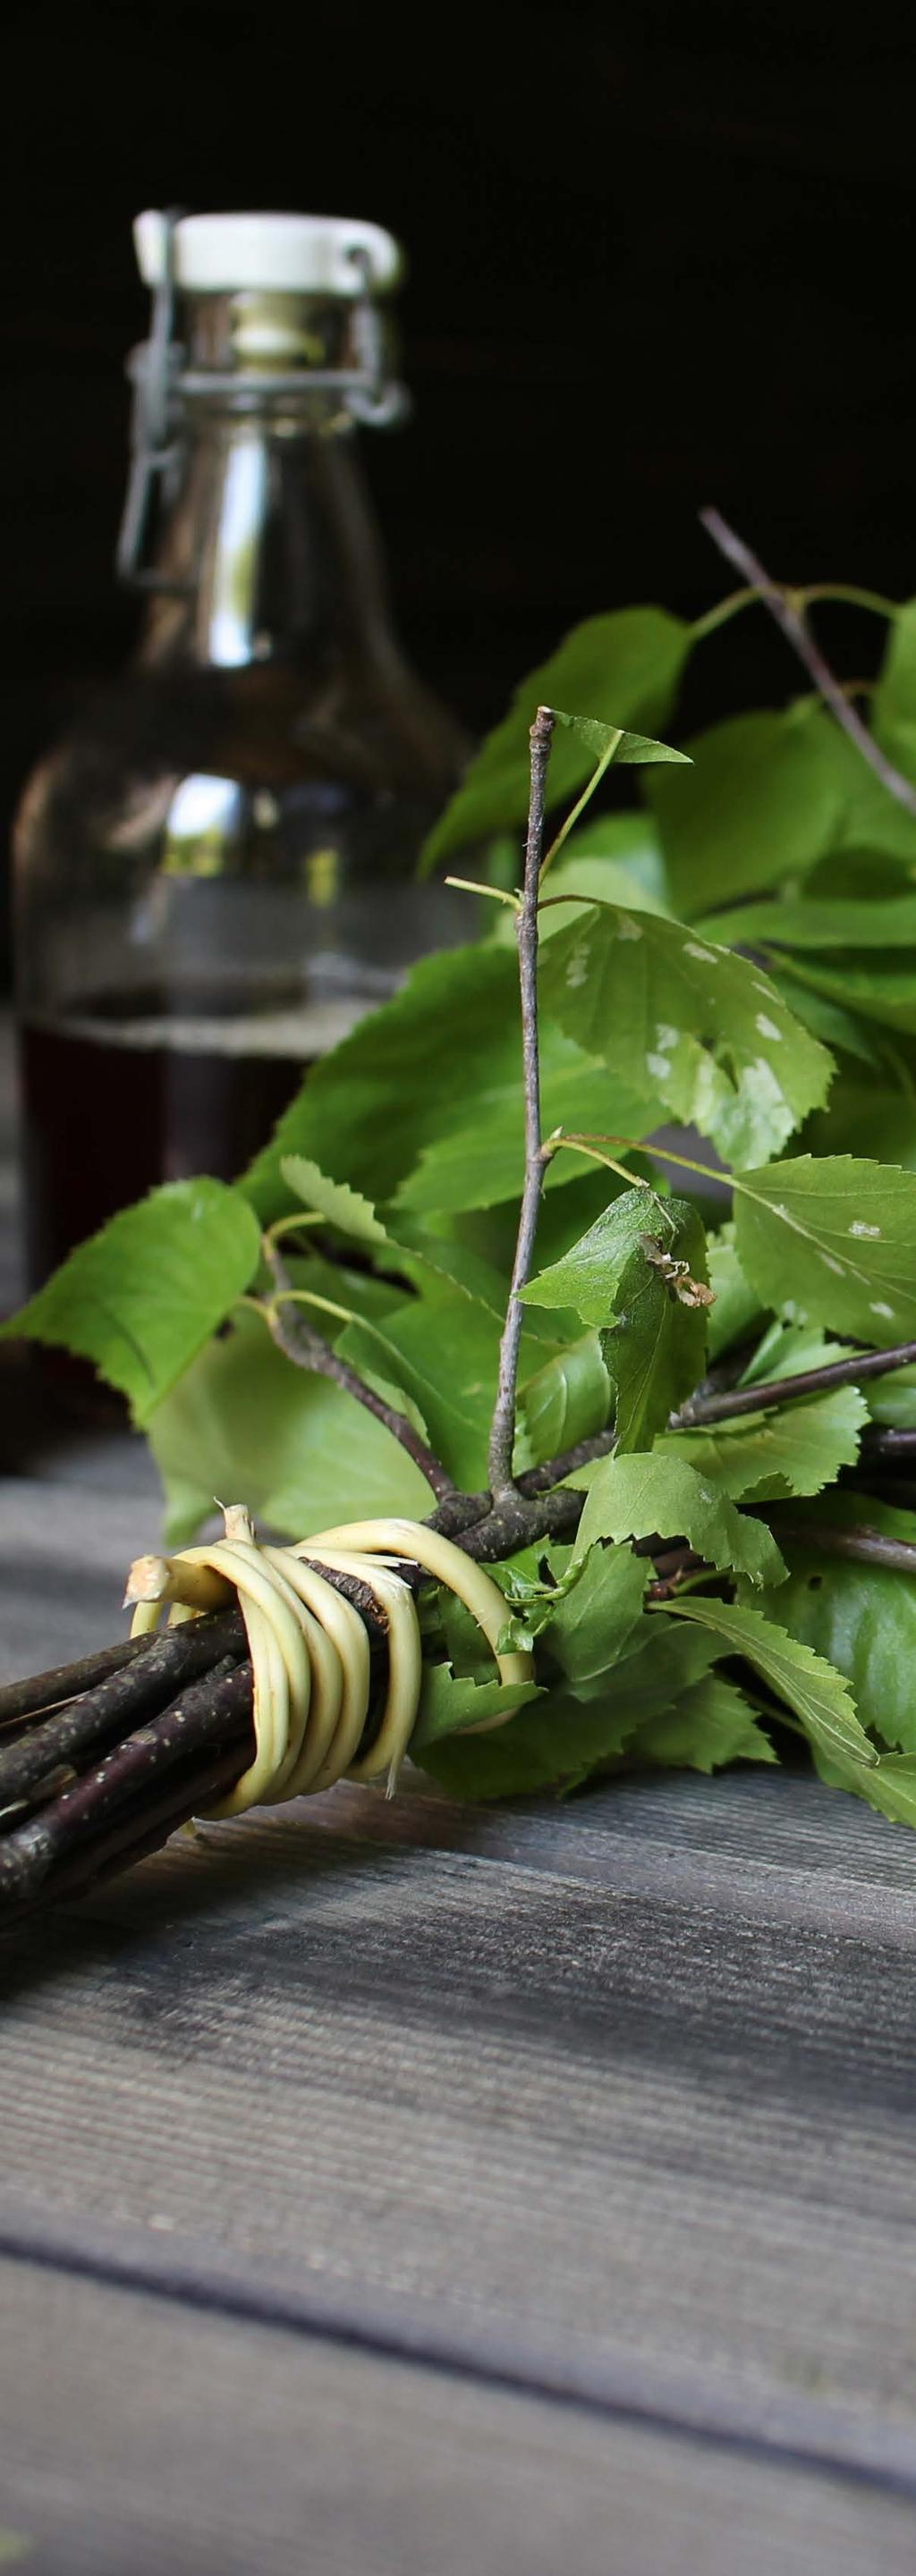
{"points": [[784, 606], [155, 1819], [866, 1546], [670, 1571], [200, 1719], [65, 1681], [125, 1697], [887, 1444], [788, 1390], [307, 1349], [514, 1522], [502, 1433], [844, 592], [539, 1505], [541, 1480]]}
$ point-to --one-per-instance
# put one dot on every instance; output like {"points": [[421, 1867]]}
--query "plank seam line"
{"points": [[579, 2385]]}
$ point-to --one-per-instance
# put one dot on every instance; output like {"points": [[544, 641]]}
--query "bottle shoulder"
{"points": [[252, 768], [263, 720]]}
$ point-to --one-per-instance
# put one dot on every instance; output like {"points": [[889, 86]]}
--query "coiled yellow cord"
{"points": [[309, 1647]]}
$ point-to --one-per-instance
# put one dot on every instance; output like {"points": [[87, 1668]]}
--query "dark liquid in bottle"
{"points": [[112, 1107]]}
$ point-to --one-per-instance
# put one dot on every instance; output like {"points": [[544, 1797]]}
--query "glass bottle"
{"points": [[215, 871]]}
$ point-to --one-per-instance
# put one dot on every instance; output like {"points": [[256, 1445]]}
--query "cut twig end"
{"points": [[155, 1579], [147, 1580]]}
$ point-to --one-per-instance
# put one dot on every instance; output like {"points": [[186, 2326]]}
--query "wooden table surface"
{"points": [[387, 2189]]}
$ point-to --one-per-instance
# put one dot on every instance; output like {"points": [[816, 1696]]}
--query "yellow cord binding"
{"points": [[309, 1647]]}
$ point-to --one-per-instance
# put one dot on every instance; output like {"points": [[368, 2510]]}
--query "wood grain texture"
{"points": [[64, 1553], [140, 2435], [600, 2132]]}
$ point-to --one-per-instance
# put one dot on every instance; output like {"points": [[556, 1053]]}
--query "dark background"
{"points": [[658, 257]]}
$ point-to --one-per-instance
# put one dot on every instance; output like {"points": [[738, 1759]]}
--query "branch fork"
{"points": [[787, 607]]}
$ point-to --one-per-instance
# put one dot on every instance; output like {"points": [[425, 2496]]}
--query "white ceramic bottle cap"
{"points": [[297, 254]]}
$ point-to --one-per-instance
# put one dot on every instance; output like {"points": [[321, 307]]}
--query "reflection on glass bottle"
{"points": [[216, 871]]}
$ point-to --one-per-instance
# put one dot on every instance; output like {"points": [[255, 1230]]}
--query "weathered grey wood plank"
{"points": [[656, 2134], [64, 1553], [136, 2433]]}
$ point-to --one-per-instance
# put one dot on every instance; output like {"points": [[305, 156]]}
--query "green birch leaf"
{"points": [[637, 1497], [652, 1671], [304, 1454], [770, 798], [893, 708], [480, 1164], [654, 1357], [806, 924], [873, 826], [584, 880], [881, 991], [407, 1074], [441, 1062], [853, 876], [608, 858], [840, 1030], [566, 1401], [628, 841], [810, 1686], [445, 1356], [761, 804], [787, 1350], [703, 1027], [585, 1620], [710, 1724], [841, 1233], [553, 1744], [565, 1737], [566, 1214], [589, 1276], [342, 1207], [871, 1111], [890, 1788], [655, 1353], [449, 1705], [480, 1168], [357, 1292], [610, 742], [624, 668], [861, 1618], [532, 1604], [434, 1266], [142, 1297], [765, 1457], [892, 1399], [593, 1618]]}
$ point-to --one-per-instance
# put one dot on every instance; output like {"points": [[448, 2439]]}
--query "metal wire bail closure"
{"points": [[163, 384]]}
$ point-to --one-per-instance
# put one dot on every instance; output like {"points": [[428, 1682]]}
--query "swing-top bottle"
{"points": [[216, 870]]}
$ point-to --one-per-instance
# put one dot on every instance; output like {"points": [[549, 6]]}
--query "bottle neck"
{"points": [[268, 549], [269, 552]]}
